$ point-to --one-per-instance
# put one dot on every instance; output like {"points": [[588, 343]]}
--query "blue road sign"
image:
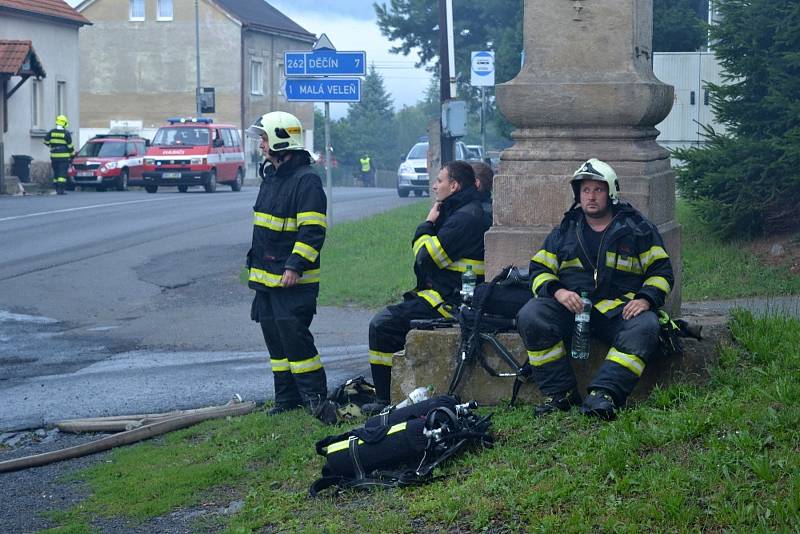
{"points": [[324, 62], [323, 89]]}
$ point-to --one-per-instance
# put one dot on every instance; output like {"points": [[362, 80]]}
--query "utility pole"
{"points": [[197, 56], [446, 141]]}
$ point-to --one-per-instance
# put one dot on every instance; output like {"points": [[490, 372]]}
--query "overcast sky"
{"points": [[352, 25]]}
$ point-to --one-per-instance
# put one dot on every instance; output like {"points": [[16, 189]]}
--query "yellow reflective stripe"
{"points": [[306, 366], [548, 259], [419, 243], [629, 361], [58, 141], [436, 301], [57, 134], [437, 253], [279, 365], [541, 357], [305, 218], [60, 179], [541, 279], [278, 224], [306, 251], [478, 266], [568, 264], [658, 281], [380, 358], [342, 445], [605, 305], [60, 155], [269, 279], [651, 256], [628, 264]]}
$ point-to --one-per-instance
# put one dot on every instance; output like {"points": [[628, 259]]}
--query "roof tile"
{"points": [[52, 8]]}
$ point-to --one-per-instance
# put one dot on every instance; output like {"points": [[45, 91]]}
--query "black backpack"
{"points": [[403, 453]]}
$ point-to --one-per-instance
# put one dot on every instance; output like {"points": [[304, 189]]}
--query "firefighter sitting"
{"points": [[444, 244], [59, 141], [607, 248]]}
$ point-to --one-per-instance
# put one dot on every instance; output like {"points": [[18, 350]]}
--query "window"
{"points": [[256, 77], [281, 78], [226, 136], [61, 98], [164, 11], [136, 10], [37, 116]]}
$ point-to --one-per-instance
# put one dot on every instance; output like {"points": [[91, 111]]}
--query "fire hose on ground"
{"points": [[132, 428]]}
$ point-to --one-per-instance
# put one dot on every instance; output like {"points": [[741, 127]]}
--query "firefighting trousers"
{"points": [[546, 329], [285, 315], [60, 168], [387, 334]]}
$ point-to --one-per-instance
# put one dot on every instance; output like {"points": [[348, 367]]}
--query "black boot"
{"points": [[562, 401], [599, 403]]}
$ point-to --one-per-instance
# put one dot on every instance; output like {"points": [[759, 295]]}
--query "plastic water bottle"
{"points": [[580, 336], [468, 281], [418, 395]]}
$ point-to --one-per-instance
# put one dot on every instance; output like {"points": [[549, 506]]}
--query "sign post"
{"points": [[324, 74], [482, 75]]}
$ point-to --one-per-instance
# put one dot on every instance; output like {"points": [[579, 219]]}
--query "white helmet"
{"points": [[594, 169], [283, 131]]}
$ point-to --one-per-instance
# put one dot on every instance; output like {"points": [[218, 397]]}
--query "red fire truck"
{"points": [[194, 151]]}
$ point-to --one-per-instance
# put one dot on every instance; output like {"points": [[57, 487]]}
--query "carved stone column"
{"points": [[586, 90]]}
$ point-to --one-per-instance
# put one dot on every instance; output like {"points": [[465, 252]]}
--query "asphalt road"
{"points": [[124, 302]]}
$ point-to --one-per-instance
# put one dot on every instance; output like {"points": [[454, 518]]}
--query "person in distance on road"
{"points": [[283, 263], [59, 141]]}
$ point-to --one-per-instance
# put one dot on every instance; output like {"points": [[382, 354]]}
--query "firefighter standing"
{"points": [[59, 141], [366, 170], [283, 262], [448, 240], [609, 249]]}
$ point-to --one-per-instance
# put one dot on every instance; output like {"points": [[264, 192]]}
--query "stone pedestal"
{"points": [[429, 360], [586, 90]]}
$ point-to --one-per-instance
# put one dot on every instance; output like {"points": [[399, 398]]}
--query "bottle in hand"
{"points": [[580, 335]]}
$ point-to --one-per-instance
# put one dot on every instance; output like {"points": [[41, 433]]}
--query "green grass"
{"points": [[723, 457], [716, 270], [369, 262]]}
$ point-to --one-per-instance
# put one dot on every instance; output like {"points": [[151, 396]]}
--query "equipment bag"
{"points": [[401, 454], [391, 415], [345, 402]]}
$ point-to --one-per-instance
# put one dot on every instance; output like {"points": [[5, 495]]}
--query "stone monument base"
{"points": [[429, 360]]}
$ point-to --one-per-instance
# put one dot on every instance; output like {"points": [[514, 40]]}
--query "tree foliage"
{"points": [[747, 181], [678, 26]]}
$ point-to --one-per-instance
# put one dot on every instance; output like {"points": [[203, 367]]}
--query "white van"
{"points": [[412, 175]]}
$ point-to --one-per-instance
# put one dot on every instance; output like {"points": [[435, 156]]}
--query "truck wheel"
{"points": [[122, 181], [183, 188], [211, 182], [402, 192], [151, 188], [237, 184]]}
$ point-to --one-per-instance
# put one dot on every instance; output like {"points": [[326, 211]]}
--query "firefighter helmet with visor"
{"points": [[283, 131], [62, 121], [594, 169]]}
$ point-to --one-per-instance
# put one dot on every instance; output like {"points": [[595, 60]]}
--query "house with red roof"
{"points": [[39, 75]]}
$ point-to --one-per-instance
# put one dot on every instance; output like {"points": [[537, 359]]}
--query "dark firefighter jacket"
{"points": [[289, 222], [59, 140], [442, 250], [631, 262]]}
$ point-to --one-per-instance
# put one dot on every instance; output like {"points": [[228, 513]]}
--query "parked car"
{"points": [[194, 151], [108, 160], [475, 153], [412, 175]]}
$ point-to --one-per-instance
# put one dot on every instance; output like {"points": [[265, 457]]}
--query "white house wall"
{"points": [[56, 45]]}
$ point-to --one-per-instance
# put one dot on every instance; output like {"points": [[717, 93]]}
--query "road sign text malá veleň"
{"points": [[323, 90], [324, 63]]}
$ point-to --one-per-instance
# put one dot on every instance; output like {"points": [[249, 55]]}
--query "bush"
{"points": [[747, 182]]}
